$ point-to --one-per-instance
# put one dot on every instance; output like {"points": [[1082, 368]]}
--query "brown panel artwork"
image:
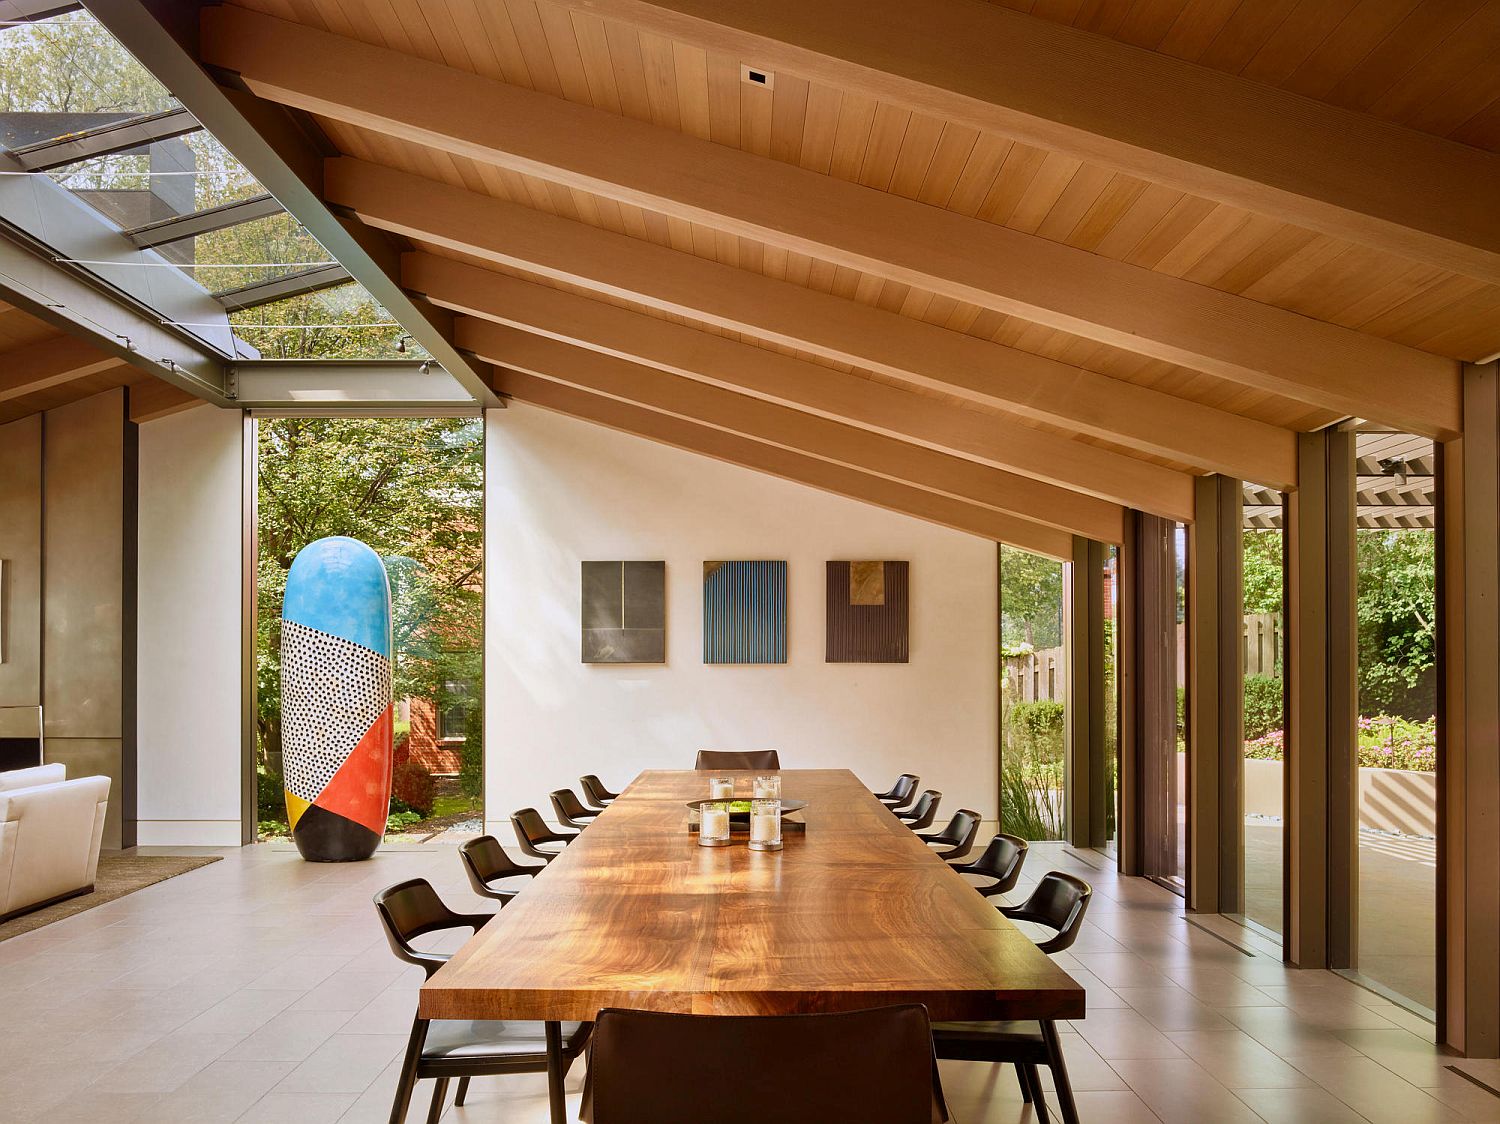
{"points": [[867, 612]]}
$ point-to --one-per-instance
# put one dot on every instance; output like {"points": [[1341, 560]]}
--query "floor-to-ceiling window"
{"points": [[412, 489], [1111, 715], [1396, 620], [1263, 701], [1032, 703]]}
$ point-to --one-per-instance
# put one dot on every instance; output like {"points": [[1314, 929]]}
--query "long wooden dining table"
{"points": [[853, 912]]}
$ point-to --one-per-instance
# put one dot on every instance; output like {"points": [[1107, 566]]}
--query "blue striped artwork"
{"points": [[744, 612]]}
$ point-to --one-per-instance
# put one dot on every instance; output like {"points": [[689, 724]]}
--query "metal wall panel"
{"points": [[21, 594], [83, 545]]}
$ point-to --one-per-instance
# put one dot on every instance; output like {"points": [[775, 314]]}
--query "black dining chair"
{"points": [[1059, 903], [923, 812], [532, 831], [595, 792], [901, 793], [651, 1067], [571, 812], [447, 1048], [1001, 860], [957, 839], [767, 759], [485, 862]]}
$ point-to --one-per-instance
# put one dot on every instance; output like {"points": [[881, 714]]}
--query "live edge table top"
{"points": [[856, 912]]}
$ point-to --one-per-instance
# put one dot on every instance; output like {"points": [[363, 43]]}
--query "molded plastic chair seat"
{"points": [[1001, 860], [901, 793], [443, 1049], [532, 831], [767, 759], [923, 812], [595, 792], [485, 862], [571, 811], [957, 839], [1059, 902]]}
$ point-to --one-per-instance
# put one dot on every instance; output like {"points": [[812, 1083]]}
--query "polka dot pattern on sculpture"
{"points": [[333, 690]]}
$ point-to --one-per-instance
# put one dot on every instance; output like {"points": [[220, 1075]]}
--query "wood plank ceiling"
{"points": [[41, 368], [978, 285]]}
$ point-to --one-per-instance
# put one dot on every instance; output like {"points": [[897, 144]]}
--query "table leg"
{"points": [[555, 1073]]}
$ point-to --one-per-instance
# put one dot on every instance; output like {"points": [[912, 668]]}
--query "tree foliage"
{"points": [[412, 489], [1031, 601], [1397, 622]]}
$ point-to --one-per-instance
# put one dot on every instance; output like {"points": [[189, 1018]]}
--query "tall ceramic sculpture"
{"points": [[336, 700]]}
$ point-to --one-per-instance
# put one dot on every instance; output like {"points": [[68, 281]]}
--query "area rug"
{"points": [[118, 875]]}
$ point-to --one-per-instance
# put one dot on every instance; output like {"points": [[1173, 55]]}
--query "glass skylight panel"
{"points": [[66, 74], [338, 323]]}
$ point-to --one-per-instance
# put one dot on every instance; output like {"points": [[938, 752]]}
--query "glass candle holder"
{"points": [[767, 787], [721, 788], [713, 825], [765, 825]]}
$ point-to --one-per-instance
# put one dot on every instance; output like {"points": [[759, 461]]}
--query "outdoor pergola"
{"points": [[1060, 283]]}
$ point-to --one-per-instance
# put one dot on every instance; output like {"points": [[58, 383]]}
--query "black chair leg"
{"points": [[1025, 1084], [408, 1079], [555, 1072], [1059, 1073], [463, 1089], [1038, 1095], [439, 1094]]}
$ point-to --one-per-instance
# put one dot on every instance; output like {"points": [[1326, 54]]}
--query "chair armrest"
{"points": [[30, 778]]}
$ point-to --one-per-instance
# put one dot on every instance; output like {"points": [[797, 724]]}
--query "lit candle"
{"points": [[765, 825], [713, 825], [721, 788]]}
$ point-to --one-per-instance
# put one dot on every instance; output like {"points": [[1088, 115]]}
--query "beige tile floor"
{"points": [[260, 989]]}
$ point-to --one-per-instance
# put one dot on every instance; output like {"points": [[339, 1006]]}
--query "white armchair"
{"points": [[50, 831]]}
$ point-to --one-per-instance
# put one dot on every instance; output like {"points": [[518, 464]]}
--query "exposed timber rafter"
{"points": [[151, 399], [800, 432], [861, 228], [1244, 143], [784, 463], [535, 310], [49, 363], [278, 152], [822, 324]]}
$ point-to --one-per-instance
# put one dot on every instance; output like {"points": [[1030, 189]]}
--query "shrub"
{"points": [[1031, 802], [412, 789], [1385, 742], [400, 821], [1263, 705], [471, 756], [270, 800]]}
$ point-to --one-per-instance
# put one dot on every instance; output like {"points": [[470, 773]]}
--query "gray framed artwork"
{"points": [[624, 612]]}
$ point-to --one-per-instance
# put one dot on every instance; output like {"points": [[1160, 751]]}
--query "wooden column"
{"points": [[1086, 788], [1129, 658], [1319, 887], [1215, 710], [1469, 726]]}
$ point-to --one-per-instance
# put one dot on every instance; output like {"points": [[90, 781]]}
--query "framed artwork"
{"points": [[624, 612], [868, 620], [744, 612]]}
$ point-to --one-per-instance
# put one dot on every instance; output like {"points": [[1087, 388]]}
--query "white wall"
{"points": [[188, 632], [562, 491]]}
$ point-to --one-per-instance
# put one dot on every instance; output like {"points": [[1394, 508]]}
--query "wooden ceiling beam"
{"points": [[1198, 130], [532, 309], [791, 208], [773, 460], [48, 363], [828, 326], [151, 399], [792, 429]]}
